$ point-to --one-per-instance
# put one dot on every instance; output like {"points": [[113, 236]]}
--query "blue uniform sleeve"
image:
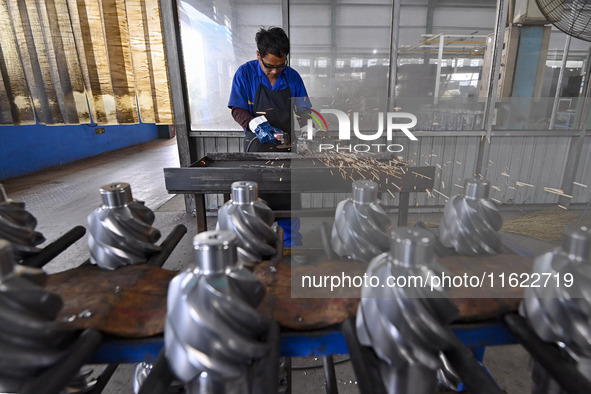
{"points": [[239, 93], [302, 101]]}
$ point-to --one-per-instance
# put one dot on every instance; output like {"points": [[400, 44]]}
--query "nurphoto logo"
{"points": [[395, 121]]}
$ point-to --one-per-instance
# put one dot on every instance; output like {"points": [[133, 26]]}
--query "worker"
{"points": [[265, 94]]}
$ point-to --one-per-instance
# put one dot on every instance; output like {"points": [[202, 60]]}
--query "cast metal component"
{"points": [[361, 226], [121, 231], [29, 338], [471, 222], [17, 226], [558, 312], [81, 382], [213, 330], [142, 370], [250, 219], [447, 377], [406, 325]]}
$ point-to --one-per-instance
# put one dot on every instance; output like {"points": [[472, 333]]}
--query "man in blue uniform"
{"points": [[265, 94]]}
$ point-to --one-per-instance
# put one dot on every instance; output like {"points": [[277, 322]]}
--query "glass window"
{"points": [[341, 48], [562, 111], [216, 40], [349, 44], [344, 36], [527, 88], [440, 62]]}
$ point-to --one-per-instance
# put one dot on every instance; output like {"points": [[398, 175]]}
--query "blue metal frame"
{"points": [[118, 350], [476, 336], [306, 344]]}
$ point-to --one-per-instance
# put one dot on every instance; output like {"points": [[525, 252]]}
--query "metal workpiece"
{"points": [[165, 384], [120, 230], [406, 325], [361, 227], [30, 339], [17, 226], [140, 374], [471, 222], [249, 217], [558, 309], [213, 331]]}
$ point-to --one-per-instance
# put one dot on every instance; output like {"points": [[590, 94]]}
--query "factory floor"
{"points": [[62, 197]]}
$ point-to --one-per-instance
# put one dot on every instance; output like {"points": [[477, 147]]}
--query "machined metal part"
{"points": [[361, 227], [143, 369], [81, 383], [249, 217], [471, 222], [121, 231], [30, 339], [559, 312], [17, 226], [447, 377], [406, 324], [140, 374], [213, 331]]}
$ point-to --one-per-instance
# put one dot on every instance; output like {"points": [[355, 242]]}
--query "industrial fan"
{"points": [[571, 16]]}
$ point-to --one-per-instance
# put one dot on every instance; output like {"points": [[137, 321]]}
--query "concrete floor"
{"points": [[62, 197]]}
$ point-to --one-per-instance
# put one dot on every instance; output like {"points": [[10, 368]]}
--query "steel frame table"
{"points": [[284, 173]]}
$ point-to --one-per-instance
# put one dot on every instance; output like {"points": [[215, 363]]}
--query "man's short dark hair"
{"points": [[273, 41]]}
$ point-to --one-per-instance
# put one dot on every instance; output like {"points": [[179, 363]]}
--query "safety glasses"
{"points": [[271, 67]]}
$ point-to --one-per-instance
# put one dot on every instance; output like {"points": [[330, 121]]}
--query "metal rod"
{"points": [[54, 379], [438, 75], [56, 247], [472, 373], [266, 370], [364, 360], [285, 18], [394, 40], [559, 83], [584, 212], [583, 114], [493, 82], [167, 246], [330, 377], [553, 359], [200, 212], [178, 89], [103, 379], [288, 370], [575, 148]]}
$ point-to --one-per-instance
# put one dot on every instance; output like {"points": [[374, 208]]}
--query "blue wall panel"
{"points": [[24, 149]]}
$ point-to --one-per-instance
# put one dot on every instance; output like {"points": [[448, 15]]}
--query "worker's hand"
{"points": [[263, 130], [308, 132]]}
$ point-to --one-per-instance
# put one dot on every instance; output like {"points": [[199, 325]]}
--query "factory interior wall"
{"points": [[343, 52], [26, 149]]}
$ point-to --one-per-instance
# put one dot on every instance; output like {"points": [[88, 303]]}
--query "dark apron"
{"points": [[276, 104]]}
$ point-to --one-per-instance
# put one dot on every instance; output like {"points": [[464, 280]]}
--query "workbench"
{"points": [[289, 172], [128, 305]]}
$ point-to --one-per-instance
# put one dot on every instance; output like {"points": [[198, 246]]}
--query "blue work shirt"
{"points": [[249, 76]]}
